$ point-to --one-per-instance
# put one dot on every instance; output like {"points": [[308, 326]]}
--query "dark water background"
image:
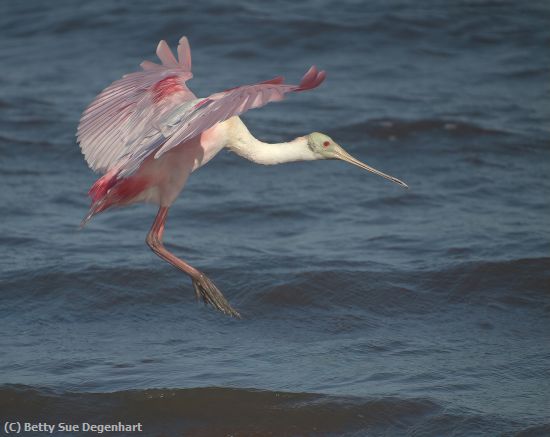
{"points": [[367, 309]]}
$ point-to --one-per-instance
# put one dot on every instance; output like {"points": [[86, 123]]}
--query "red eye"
{"points": [[325, 144]]}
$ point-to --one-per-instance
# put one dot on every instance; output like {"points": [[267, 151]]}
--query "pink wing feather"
{"points": [[125, 113], [154, 111], [187, 122]]}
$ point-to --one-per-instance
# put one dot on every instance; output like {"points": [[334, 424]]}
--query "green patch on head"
{"points": [[322, 145]]}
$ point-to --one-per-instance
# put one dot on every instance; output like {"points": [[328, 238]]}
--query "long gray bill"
{"points": [[345, 156]]}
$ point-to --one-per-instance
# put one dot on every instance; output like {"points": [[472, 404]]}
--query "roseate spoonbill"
{"points": [[147, 132]]}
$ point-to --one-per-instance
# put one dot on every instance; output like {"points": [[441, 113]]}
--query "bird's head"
{"points": [[325, 147]]}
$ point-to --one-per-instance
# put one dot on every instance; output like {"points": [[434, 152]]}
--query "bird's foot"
{"points": [[210, 294]]}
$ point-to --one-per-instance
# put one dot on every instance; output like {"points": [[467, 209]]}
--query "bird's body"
{"points": [[160, 180], [148, 132]]}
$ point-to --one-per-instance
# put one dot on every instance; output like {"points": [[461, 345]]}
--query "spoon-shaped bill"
{"points": [[345, 156]]}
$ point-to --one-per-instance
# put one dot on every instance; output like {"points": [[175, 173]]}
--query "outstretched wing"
{"points": [[125, 116], [154, 111], [186, 122]]}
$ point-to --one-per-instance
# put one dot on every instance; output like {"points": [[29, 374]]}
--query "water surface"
{"points": [[367, 308]]}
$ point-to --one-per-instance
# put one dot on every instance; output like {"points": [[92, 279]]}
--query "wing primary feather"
{"points": [[184, 54], [148, 65], [165, 54]]}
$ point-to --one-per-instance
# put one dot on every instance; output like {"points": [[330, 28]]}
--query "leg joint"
{"points": [[153, 242]]}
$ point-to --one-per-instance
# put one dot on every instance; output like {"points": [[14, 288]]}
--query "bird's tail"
{"points": [[98, 192], [95, 208]]}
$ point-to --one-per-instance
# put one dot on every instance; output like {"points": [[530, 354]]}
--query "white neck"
{"points": [[243, 143]]}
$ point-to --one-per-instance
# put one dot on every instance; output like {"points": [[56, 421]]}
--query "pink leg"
{"points": [[204, 287]]}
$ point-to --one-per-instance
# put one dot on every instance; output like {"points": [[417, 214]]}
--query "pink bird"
{"points": [[147, 132]]}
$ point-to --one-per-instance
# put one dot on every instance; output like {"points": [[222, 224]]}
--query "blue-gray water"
{"points": [[368, 309]]}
